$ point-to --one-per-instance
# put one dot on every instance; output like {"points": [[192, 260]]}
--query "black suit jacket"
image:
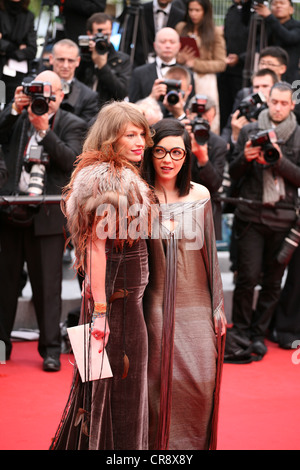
{"points": [[63, 144], [81, 101], [141, 82], [176, 15]]}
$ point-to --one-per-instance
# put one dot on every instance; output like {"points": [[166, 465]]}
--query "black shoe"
{"points": [[51, 364], [259, 349]]}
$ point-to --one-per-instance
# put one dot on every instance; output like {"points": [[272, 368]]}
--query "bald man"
{"points": [[166, 46], [40, 142]]}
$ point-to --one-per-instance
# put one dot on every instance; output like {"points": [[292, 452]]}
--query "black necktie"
{"points": [[161, 11]]}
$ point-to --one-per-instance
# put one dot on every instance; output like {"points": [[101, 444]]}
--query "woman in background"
{"points": [[183, 302], [199, 24]]}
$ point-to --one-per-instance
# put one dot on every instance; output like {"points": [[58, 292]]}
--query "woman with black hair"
{"points": [[183, 302], [17, 43], [199, 24]]}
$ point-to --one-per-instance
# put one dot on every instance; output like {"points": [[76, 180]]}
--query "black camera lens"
{"points": [[271, 154], [101, 46], [172, 97], [39, 106]]}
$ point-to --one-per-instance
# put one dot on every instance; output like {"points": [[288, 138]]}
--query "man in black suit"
{"points": [[78, 97], [166, 46], [45, 146], [157, 14], [283, 31], [108, 73]]}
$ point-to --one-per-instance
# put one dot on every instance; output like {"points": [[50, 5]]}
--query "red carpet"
{"points": [[259, 401]]}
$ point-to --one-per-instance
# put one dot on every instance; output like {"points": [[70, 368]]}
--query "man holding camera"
{"points": [[282, 30], [209, 153], [78, 98], [102, 68], [40, 142], [269, 176]]}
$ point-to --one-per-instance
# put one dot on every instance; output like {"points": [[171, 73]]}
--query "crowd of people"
{"points": [[89, 132]]}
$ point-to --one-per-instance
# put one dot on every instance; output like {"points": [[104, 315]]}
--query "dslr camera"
{"points": [[264, 140], [101, 43], [35, 162], [200, 126], [252, 105], [41, 95], [290, 244], [173, 90]]}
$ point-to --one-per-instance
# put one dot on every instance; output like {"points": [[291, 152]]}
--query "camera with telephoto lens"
{"points": [[101, 43], [265, 140], [290, 244], [200, 126], [41, 95], [173, 90], [35, 163], [252, 106]]}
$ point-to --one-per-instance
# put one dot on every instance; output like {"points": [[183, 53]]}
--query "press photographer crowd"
{"points": [[232, 87]]}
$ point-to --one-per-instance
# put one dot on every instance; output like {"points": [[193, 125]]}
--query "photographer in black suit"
{"points": [[78, 98], [40, 143], [107, 72]]}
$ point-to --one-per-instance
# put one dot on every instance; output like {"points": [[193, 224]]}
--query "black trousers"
{"points": [[43, 256], [257, 247], [287, 313]]}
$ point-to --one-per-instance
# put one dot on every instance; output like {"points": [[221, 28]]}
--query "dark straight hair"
{"points": [[165, 128]]}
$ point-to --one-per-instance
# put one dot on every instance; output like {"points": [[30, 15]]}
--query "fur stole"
{"points": [[116, 196]]}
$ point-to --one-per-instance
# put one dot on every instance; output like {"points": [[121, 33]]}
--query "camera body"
{"points": [[40, 94], [265, 139], [101, 43], [200, 126], [252, 105], [173, 90]]}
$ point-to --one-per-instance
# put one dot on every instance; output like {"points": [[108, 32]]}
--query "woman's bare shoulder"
{"points": [[198, 191]]}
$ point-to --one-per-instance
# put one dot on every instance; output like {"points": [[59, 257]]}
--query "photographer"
{"points": [[106, 70], [40, 142], [78, 98], [209, 153], [174, 92], [282, 30], [269, 173]]}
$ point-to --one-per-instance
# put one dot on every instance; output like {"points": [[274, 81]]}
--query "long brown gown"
{"points": [[185, 356]]}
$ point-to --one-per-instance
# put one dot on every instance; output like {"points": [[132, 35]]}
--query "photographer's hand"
{"points": [[40, 123], [158, 89], [262, 10], [21, 100], [100, 60], [251, 153], [237, 123], [200, 151]]}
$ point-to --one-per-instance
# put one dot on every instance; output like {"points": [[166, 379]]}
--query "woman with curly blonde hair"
{"points": [[107, 205]]}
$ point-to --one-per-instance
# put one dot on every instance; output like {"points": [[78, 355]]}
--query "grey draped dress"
{"points": [[182, 298]]}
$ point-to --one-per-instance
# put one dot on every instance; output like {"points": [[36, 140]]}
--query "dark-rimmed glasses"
{"points": [[175, 153]]}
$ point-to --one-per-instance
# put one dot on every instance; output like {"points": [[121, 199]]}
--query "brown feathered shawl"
{"points": [[110, 192]]}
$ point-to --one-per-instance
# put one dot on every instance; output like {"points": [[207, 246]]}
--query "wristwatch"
{"points": [[42, 133]]}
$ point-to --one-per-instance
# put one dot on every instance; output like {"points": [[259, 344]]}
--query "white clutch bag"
{"points": [[91, 364]]}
